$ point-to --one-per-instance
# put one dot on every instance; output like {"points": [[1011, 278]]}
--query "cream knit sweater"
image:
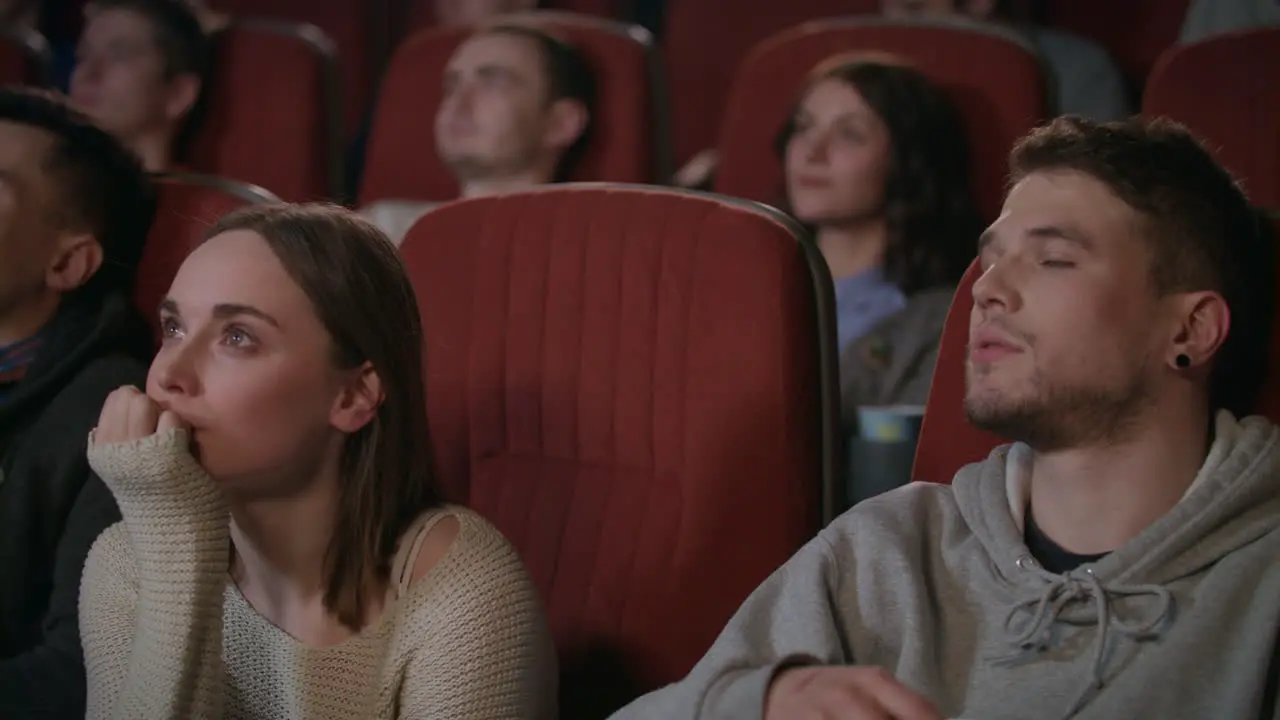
{"points": [[166, 633]]}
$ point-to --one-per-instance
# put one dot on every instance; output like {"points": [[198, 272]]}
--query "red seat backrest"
{"points": [[627, 144], [1227, 90], [188, 205], [1134, 32], [25, 58], [273, 111], [421, 13], [704, 41], [349, 23], [947, 440], [995, 79], [637, 386]]}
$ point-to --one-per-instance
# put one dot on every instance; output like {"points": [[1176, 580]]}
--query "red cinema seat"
{"points": [[996, 80], [637, 386], [273, 110], [704, 42], [350, 23], [627, 142], [1227, 90], [947, 440], [25, 58], [188, 205]]}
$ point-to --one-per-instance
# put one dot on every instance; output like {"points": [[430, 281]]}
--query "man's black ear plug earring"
{"points": [[1183, 361]]}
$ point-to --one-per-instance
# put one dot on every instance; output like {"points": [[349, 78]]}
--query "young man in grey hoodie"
{"points": [[1119, 559]]}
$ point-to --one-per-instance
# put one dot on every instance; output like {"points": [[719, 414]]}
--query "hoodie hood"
{"points": [[1233, 501]]}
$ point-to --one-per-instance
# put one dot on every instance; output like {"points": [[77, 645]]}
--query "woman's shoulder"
{"points": [[464, 571], [454, 543]]}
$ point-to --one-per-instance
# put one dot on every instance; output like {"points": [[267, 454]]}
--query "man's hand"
{"points": [[843, 693], [128, 414]]}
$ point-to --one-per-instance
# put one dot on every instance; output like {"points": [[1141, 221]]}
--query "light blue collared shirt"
{"points": [[862, 301]]}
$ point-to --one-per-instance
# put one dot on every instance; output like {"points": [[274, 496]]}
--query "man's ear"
{"points": [[75, 260], [567, 122], [359, 400], [1205, 323], [184, 91]]}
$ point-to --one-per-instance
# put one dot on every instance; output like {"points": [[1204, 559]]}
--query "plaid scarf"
{"points": [[16, 358]]}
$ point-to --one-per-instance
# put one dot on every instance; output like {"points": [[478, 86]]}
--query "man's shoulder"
{"points": [[903, 514]]}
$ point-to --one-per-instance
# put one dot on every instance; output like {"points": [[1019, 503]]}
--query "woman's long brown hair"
{"points": [[361, 293]]}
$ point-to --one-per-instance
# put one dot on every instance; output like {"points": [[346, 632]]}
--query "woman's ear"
{"points": [[359, 400]]}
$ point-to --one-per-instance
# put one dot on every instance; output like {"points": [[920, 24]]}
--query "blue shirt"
{"points": [[862, 301]]}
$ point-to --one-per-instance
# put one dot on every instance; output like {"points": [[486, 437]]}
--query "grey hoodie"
{"points": [[935, 584]]}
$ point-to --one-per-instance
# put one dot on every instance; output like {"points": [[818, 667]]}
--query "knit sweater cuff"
{"points": [[160, 487]]}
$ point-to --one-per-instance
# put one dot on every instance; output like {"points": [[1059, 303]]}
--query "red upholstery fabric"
{"points": [[997, 83], [401, 162], [1135, 32], [188, 206], [25, 58], [1227, 90], [347, 22], [422, 12], [704, 41], [272, 111], [948, 441], [626, 381]]}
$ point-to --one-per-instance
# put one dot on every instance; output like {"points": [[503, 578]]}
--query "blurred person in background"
{"points": [[141, 68], [876, 162], [1206, 18], [1089, 83], [515, 113], [474, 12]]}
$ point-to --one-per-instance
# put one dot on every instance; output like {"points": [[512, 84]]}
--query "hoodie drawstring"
{"points": [[1036, 633]]}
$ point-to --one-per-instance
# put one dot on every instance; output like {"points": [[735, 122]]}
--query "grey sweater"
{"points": [[934, 583]]}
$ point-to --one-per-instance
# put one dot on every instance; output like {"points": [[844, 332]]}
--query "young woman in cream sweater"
{"points": [[284, 553]]}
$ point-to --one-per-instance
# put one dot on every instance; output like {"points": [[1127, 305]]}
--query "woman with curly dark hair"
{"points": [[877, 165]]}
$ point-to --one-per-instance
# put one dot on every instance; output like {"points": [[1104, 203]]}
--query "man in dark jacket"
{"points": [[75, 209]]}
